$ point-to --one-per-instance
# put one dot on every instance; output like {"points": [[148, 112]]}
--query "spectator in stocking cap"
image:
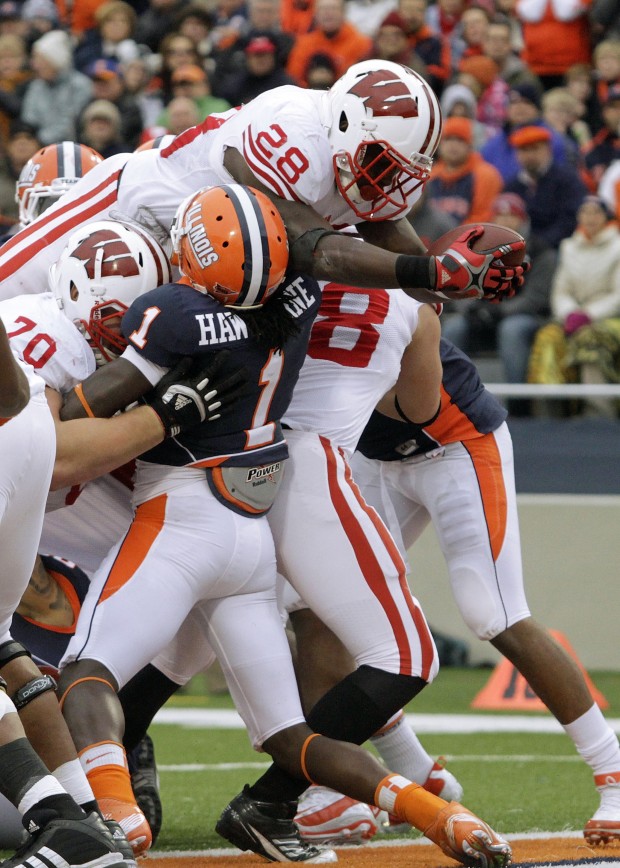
{"points": [[524, 109], [57, 95], [109, 84]]}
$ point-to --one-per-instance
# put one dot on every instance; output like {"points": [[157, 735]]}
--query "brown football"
{"points": [[492, 238]]}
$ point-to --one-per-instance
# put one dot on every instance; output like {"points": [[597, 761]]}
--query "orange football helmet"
{"points": [[230, 242], [48, 174]]}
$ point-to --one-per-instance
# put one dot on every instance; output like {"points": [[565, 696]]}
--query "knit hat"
{"points": [[482, 68], [509, 203], [394, 19], [458, 93], [10, 11], [600, 203], [526, 90], [55, 47], [458, 128], [40, 9], [102, 109], [189, 72], [103, 69], [531, 135], [260, 45]]}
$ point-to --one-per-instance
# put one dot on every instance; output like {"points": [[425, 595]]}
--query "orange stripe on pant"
{"points": [[487, 464], [145, 528]]}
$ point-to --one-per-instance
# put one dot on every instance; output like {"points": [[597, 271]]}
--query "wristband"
{"points": [[414, 271], [405, 418]]}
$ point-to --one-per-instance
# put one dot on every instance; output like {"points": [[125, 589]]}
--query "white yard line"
{"points": [[205, 718]]}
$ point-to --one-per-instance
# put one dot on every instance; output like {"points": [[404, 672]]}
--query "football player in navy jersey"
{"points": [[199, 547]]}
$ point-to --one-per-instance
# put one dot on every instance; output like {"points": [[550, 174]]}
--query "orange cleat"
{"points": [[131, 820], [466, 838]]}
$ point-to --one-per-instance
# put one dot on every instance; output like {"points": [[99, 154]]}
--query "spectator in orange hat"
{"points": [[333, 35], [552, 192], [481, 74], [192, 82], [462, 184], [524, 109], [109, 84], [510, 327]]}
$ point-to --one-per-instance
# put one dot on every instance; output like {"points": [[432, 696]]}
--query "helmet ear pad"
{"points": [[104, 267], [231, 242], [391, 108]]}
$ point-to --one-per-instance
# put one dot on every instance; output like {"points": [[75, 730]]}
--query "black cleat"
{"points": [[145, 783], [268, 829], [121, 843], [69, 844]]}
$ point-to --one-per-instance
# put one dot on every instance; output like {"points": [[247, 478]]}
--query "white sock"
{"points": [[401, 751], [47, 786], [71, 776], [595, 741]]}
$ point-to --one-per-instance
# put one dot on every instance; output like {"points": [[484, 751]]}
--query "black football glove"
{"points": [[196, 390]]}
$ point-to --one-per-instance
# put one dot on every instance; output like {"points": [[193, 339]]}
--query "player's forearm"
{"points": [[342, 258], [14, 388], [88, 448]]}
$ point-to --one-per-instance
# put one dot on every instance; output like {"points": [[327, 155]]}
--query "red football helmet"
{"points": [[230, 242], [48, 174], [103, 268], [384, 127]]}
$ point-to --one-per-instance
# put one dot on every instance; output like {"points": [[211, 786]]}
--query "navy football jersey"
{"points": [[175, 321], [48, 644], [468, 410]]}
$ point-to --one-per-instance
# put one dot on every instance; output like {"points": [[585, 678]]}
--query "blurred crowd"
{"points": [[530, 91]]}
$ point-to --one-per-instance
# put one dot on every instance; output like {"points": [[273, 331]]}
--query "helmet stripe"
{"points": [[255, 244], [60, 159], [431, 141]]}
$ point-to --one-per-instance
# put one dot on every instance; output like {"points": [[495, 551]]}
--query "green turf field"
{"points": [[517, 781]]}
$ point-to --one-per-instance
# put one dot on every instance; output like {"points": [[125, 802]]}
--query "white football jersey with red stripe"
{"points": [[282, 135], [353, 359], [49, 347]]}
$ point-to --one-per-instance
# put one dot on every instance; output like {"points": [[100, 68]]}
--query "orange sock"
{"points": [[408, 801], [105, 765]]}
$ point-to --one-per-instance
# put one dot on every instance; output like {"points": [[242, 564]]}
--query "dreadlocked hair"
{"points": [[272, 324]]}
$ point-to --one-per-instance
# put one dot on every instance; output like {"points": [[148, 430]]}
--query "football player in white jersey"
{"points": [[183, 498], [356, 154], [60, 829], [57, 347]]}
